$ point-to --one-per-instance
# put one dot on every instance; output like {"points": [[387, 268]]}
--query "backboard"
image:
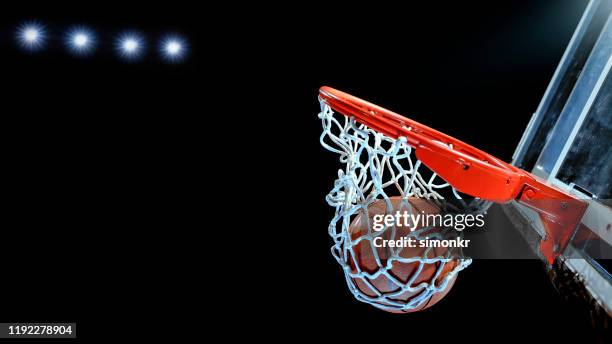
{"points": [[568, 142]]}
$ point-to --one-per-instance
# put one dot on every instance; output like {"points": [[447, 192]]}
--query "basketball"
{"points": [[365, 259]]}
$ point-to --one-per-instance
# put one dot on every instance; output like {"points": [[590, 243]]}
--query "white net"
{"points": [[377, 168]]}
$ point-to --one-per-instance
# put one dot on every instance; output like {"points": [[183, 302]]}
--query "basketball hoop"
{"points": [[386, 156]]}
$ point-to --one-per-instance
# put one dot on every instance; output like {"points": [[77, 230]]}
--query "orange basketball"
{"points": [[402, 272]]}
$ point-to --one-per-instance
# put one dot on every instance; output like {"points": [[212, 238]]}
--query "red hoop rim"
{"points": [[395, 125]]}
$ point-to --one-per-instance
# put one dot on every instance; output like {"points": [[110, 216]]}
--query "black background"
{"points": [[106, 163], [96, 151]]}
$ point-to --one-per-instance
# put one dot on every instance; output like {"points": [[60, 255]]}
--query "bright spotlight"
{"points": [[80, 41], [31, 36], [173, 49], [130, 46]]}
